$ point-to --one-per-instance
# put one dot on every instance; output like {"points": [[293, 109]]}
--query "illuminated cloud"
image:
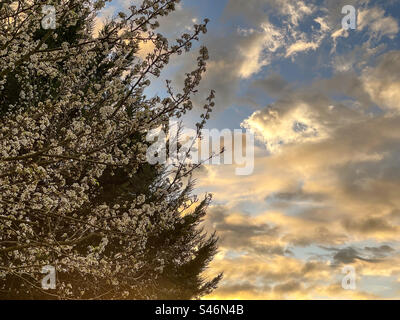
{"points": [[258, 52], [383, 82], [297, 125], [301, 46]]}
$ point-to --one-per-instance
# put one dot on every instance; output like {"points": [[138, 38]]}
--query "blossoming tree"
{"points": [[76, 190]]}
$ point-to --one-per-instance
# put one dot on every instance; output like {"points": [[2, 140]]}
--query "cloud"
{"points": [[337, 189], [258, 52], [377, 23], [370, 225], [300, 46], [237, 232], [323, 24], [293, 11], [278, 128], [383, 82], [381, 251], [267, 33], [361, 256], [288, 287], [348, 255], [281, 278], [274, 85]]}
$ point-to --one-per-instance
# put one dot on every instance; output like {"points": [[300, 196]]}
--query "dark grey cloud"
{"points": [[288, 287], [348, 255], [274, 85], [310, 266], [247, 237], [320, 235], [246, 286], [294, 196], [351, 254], [381, 251], [368, 225]]}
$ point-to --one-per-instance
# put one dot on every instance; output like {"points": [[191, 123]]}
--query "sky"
{"points": [[324, 104]]}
